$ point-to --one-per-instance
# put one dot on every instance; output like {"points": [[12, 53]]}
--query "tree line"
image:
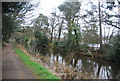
{"points": [[70, 29]]}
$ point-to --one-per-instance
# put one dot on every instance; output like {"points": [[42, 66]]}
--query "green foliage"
{"points": [[37, 69], [41, 39], [53, 44], [10, 19], [84, 47], [69, 45], [63, 47], [70, 9], [41, 21], [8, 27], [9, 7], [25, 39], [114, 51], [73, 38]]}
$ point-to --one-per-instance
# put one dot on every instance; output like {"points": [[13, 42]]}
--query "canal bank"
{"points": [[78, 66], [36, 68]]}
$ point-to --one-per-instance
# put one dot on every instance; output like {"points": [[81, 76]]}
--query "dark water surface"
{"points": [[100, 68]]}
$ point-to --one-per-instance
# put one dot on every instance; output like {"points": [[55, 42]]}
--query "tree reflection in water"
{"points": [[87, 65]]}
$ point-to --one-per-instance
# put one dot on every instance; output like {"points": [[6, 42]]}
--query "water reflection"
{"points": [[99, 68]]}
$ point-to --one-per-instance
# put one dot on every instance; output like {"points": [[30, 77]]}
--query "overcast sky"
{"points": [[48, 6]]}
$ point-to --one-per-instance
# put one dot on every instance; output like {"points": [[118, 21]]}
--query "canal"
{"points": [[98, 68]]}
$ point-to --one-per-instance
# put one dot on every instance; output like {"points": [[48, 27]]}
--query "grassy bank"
{"points": [[37, 69]]}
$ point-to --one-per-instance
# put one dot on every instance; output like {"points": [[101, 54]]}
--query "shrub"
{"points": [[114, 51], [69, 45], [53, 44], [41, 39], [84, 47]]}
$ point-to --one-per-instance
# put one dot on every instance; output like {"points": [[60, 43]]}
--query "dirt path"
{"points": [[12, 66]]}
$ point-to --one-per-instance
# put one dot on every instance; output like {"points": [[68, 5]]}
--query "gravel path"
{"points": [[13, 67]]}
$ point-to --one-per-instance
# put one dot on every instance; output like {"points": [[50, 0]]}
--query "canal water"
{"points": [[100, 68]]}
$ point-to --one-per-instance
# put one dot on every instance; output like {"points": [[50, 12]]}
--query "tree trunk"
{"points": [[69, 31], [99, 9], [76, 36], [60, 28], [52, 34]]}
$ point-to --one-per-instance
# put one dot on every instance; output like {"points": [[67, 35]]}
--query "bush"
{"points": [[41, 39], [84, 47], [63, 46], [53, 44], [69, 45], [114, 51]]}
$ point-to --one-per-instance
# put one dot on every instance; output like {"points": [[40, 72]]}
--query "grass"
{"points": [[37, 69]]}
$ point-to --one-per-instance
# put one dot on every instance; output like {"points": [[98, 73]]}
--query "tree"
{"points": [[108, 19], [70, 11], [100, 25], [41, 40], [60, 29], [89, 23], [12, 7], [110, 6], [41, 21], [8, 27], [114, 50], [53, 23], [90, 36], [100, 16], [10, 17]]}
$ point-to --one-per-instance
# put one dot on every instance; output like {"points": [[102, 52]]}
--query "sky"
{"points": [[45, 7], [48, 6]]}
